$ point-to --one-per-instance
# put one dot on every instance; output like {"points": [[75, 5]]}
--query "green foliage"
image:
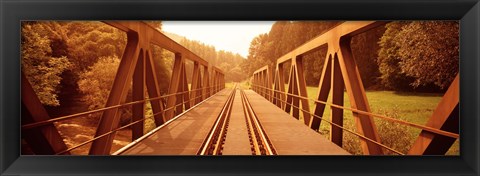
{"points": [[420, 53], [365, 49], [96, 82], [394, 135], [89, 41], [412, 107], [39, 66], [283, 37], [163, 70], [257, 54], [230, 63], [430, 52]]}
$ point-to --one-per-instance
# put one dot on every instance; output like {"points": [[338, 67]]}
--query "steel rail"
{"points": [[259, 138], [213, 142], [128, 146]]}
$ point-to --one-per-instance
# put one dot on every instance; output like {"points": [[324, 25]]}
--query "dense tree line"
{"points": [[406, 56], [227, 61], [65, 58]]}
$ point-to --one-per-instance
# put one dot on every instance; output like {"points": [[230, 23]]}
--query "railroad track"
{"points": [[212, 145], [259, 143], [258, 139]]}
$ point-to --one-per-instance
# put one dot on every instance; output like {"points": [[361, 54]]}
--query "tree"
{"points": [[39, 66], [96, 82], [419, 54], [388, 59], [89, 41], [258, 53], [430, 52], [365, 51]]}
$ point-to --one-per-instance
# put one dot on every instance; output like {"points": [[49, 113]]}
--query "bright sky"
{"points": [[234, 36]]}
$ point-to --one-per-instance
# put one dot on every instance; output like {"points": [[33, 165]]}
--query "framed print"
{"points": [[268, 87]]}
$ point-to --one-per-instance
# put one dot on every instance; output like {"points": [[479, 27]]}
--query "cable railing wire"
{"points": [[440, 132], [122, 127], [47, 122], [426, 128]]}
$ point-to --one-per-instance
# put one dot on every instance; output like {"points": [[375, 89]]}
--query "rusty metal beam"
{"points": [[323, 91], [281, 85], [350, 76], [173, 87], [153, 90], [195, 84], [206, 82], [180, 88], [157, 38], [349, 28], [336, 116], [111, 118], [185, 95], [302, 89], [445, 117], [358, 99], [44, 140], [138, 93]]}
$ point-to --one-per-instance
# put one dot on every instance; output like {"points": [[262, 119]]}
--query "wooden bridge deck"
{"points": [[185, 135], [288, 135]]}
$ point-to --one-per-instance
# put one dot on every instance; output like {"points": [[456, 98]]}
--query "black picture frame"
{"points": [[12, 12]]}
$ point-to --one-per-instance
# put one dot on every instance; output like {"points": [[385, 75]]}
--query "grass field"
{"points": [[407, 106]]}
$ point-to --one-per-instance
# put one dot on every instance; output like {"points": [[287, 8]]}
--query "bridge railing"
{"points": [[135, 67], [340, 73]]}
